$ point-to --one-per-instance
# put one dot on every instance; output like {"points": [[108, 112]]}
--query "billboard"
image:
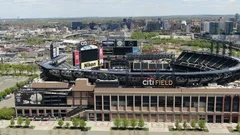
{"points": [[108, 43], [57, 51], [122, 50], [90, 64], [89, 55], [76, 58], [101, 56], [131, 43], [29, 98]]}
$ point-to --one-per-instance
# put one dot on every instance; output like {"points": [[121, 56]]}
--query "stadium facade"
{"points": [[155, 87]]}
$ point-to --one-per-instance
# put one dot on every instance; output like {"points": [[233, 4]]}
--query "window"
{"points": [[106, 102], [235, 104], [121, 100], [170, 101], [219, 104], [99, 102], [194, 102], [210, 104], [202, 103], [138, 101], [114, 100], [186, 101], [178, 101], [153, 101], [227, 104], [161, 101], [129, 100], [145, 101]]}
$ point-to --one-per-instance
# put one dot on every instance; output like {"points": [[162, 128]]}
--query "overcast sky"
{"points": [[111, 8]]}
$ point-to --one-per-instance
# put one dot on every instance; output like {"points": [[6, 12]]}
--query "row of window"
{"points": [[168, 101]]}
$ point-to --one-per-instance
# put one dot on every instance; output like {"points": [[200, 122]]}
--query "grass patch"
{"points": [[137, 129]]}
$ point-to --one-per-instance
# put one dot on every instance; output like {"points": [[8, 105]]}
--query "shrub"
{"points": [[193, 124], [117, 122], [184, 124], [141, 123], [12, 122], [75, 122], [60, 123], [27, 122], [177, 124], [133, 123], [67, 125], [82, 123], [20, 121], [125, 123], [202, 124]]}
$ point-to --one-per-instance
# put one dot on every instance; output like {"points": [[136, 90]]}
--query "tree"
{"points": [[117, 122], [82, 124], [141, 123], [12, 122], [6, 113], [193, 124], [125, 123], [177, 124], [67, 125], [60, 123], [75, 122], [20, 121], [133, 123], [27, 122], [184, 124], [202, 124]]}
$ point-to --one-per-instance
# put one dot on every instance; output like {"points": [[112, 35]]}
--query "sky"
{"points": [[114, 8]]}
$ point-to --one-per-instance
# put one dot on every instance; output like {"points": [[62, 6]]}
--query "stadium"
{"points": [[115, 80]]}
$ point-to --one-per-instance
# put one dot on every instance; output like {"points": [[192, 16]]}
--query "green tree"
{"points": [[184, 124], [27, 122], [82, 123], [141, 123], [60, 123], [238, 127], [177, 124], [75, 122], [12, 122], [6, 113], [133, 123], [193, 124], [202, 124], [20, 121], [117, 122], [67, 125], [125, 123]]}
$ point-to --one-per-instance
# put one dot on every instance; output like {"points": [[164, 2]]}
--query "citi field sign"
{"points": [[157, 82]]}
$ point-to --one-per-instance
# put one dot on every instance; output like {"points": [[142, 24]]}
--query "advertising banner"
{"points": [[76, 58], [108, 43], [29, 98], [90, 64], [101, 56]]}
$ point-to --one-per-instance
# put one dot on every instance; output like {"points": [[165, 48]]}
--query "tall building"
{"points": [[153, 26], [237, 17], [205, 27], [238, 26], [76, 25], [188, 28], [166, 25], [214, 28], [228, 27]]}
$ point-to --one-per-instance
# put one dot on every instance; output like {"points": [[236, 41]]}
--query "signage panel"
{"points": [[101, 56], [90, 64]]}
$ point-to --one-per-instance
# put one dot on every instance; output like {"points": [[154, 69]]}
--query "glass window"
{"points": [[178, 101], [146, 101], [235, 104], [169, 101], [99, 102], [210, 104], [202, 103], [121, 100], [194, 102], [106, 102], [219, 104], [153, 101], [227, 104], [186, 101], [161, 101], [130, 101], [114, 100], [138, 101]]}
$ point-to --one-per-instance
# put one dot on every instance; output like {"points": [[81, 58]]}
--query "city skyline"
{"points": [[112, 8]]}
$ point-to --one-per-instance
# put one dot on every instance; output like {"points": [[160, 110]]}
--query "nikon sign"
{"points": [[89, 65], [157, 82]]}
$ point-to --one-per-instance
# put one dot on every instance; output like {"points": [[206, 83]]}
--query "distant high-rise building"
{"points": [[153, 26], [76, 25], [214, 28], [166, 25], [237, 17], [188, 28], [228, 27], [238, 26], [205, 27]]}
